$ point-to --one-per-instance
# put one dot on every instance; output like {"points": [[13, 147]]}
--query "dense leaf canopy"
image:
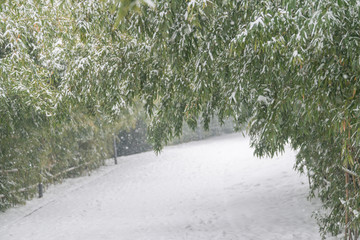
{"points": [[289, 69]]}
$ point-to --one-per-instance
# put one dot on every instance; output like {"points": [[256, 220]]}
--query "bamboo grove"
{"points": [[288, 69]]}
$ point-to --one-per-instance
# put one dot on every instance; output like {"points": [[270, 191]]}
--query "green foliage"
{"points": [[49, 120], [215, 129], [289, 69], [45, 153]]}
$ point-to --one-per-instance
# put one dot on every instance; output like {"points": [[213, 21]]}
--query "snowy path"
{"points": [[209, 190]]}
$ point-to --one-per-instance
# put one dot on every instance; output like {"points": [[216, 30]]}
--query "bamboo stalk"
{"points": [[354, 181], [346, 210]]}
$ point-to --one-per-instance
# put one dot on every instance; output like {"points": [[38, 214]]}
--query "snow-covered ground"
{"points": [[208, 190]]}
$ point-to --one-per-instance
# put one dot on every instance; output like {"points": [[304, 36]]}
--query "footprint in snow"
{"points": [[189, 227]]}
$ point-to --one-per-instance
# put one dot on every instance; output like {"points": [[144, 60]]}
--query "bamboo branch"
{"points": [[350, 172], [9, 171]]}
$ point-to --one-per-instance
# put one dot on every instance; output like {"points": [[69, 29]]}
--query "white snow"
{"points": [[208, 190], [258, 21]]}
